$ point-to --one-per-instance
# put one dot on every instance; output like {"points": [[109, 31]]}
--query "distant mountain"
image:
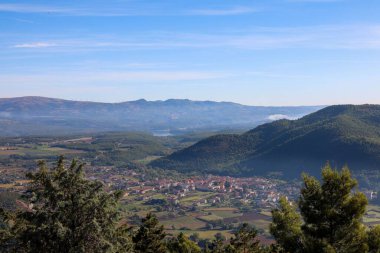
{"points": [[342, 134], [41, 116]]}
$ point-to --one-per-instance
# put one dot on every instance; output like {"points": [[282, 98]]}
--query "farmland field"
{"points": [[184, 221]]}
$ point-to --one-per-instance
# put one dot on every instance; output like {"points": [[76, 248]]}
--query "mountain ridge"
{"points": [[142, 100], [41, 115]]}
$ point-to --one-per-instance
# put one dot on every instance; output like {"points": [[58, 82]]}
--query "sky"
{"points": [[254, 52]]}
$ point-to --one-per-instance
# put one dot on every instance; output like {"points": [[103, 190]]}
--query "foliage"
{"points": [[8, 200], [217, 245], [331, 211], [286, 226], [150, 236], [374, 239], [182, 244], [65, 213], [245, 240]]}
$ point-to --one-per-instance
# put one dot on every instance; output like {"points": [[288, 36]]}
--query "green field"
{"points": [[205, 219], [184, 221], [224, 212]]}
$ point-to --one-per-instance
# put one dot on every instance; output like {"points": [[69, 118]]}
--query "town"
{"points": [[197, 205]]}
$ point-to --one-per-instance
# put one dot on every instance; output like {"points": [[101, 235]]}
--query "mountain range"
{"points": [[341, 134], [48, 116]]}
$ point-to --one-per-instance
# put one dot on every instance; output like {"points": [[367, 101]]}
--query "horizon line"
{"points": [[168, 99]]}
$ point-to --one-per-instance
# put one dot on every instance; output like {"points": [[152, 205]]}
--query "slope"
{"points": [[342, 134]]}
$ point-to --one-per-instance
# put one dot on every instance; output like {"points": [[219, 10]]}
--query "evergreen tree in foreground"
{"points": [[150, 236], [374, 240], [217, 245], [245, 240], [331, 212], [286, 227], [67, 213], [182, 244]]}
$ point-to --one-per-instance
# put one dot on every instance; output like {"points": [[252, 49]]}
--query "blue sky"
{"points": [[272, 52]]}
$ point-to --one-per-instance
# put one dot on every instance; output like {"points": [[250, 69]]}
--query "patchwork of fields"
{"points": [[206, 220]]}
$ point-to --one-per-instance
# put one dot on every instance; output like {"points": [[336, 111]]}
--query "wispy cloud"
{"points": [[150, 10], [44, 9], [223, 12], [21, 20], [261, 38], [71, 78], [28, 8], [35, 45]]}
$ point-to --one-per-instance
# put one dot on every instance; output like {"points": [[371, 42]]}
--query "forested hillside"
{"points": [[342, 134]]}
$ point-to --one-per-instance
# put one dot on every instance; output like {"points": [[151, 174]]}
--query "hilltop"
{"points": [[341, 134], [42, 116]]}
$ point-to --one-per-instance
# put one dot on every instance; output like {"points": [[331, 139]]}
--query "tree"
{"points": [[245, 240], [150, 236], [286, 226], [217, 245], [374, 239], [182, 244], [331, 211], [65, 213], [194, 237]]}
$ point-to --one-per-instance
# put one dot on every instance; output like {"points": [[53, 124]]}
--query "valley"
{"points": [[189, 126], [196, 203], [205, 184]]}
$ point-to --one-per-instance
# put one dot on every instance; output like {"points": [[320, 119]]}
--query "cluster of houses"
{"points": [[261, 191]]}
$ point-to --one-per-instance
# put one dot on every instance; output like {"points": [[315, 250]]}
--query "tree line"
{"points": [[65, 212]]}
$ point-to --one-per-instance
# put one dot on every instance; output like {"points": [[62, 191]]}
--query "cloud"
{"points": [[223, 12], [150, 10], [27, 8], [22, 20], [353, 37], [35, 45], [43, 9], [123, 77], [275, 117]]}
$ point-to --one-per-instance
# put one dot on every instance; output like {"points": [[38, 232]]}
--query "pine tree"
{"points": [[286, 226], [331, 211], [374, 239], [182, 244], [245, 240], [67, 213], [217, 245], [150, 236]]}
